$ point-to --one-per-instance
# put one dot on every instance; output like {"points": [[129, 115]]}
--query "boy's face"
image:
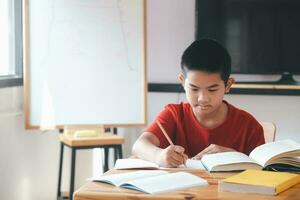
{"points": [[204, 91]]}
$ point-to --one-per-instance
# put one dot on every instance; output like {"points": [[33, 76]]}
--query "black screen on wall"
{"points": [[262, 36]]}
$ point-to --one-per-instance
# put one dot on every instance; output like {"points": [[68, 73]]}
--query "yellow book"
{"points": [[259, 182]]}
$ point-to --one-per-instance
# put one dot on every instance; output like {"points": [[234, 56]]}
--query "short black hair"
{"points": [[207, 55]]}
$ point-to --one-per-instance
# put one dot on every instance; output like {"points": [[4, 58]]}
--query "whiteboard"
{"points": [[84, 63]]}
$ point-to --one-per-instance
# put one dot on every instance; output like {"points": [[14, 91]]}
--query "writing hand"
{"points": [[172, 156]]}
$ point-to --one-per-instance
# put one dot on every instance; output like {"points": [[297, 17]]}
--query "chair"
{"points": [[105, 141], [269, 131]]}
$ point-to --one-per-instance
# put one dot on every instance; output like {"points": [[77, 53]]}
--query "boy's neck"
{"points": [[214, 119]]}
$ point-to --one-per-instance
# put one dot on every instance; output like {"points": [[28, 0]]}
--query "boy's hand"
{"points": [[213, 148], [172, 156]]}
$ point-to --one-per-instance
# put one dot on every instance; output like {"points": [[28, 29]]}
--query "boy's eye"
{"points": [[194, 89], [212, 90]]}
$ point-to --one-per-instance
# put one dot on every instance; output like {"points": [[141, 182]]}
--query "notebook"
{"points": [[153, 181]]}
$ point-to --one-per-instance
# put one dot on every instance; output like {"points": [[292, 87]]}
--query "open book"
{"points": [[153, 181], [278, 156]]}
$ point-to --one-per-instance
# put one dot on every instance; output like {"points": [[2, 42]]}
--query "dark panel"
{"points": [[177, 88]]}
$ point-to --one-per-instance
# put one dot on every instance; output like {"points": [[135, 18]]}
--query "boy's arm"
{"points": [[147, 147]]}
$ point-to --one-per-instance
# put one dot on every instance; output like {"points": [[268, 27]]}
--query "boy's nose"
{"points": [[203, 98]]}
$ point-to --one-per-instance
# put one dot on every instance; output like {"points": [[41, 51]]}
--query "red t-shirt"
{"points": [[240, 130]]}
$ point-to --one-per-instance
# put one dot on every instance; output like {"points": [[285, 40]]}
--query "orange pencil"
{"points": [[166, 135], [164, 132]]}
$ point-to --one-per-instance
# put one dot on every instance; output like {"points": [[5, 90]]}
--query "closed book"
{"points": [[259, 182]]}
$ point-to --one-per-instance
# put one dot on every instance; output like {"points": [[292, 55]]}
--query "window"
{"points": [[10, 43]]}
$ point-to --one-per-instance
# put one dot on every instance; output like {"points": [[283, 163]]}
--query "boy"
{"points": [[206, 124]]}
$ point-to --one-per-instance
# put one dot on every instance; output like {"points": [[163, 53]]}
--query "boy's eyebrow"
{"points": [[193, 85], [211, 86]]}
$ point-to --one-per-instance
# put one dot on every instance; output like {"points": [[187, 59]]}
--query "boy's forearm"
{"points": [[146, 150]]}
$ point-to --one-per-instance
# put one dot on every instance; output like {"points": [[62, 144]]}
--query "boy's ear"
{"points": [[230, 82], [181, 78]]}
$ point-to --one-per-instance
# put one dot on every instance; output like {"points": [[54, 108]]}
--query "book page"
{"points": [[293, 161], [210, 161], [133, 163], [193, 164], [263, 153], [165, 183], [120, 178]]}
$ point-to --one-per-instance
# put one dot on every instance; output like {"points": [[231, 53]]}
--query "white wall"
{"points": [[170, 30], [284, 111], [29, 159]]}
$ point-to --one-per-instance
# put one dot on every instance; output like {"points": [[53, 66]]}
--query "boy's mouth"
{"points": [[203, 107]]}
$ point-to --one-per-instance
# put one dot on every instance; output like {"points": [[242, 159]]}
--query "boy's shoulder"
{"points": [[239, 113]]}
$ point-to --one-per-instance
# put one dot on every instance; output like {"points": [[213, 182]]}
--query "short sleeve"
{"points": [[167, 119]]}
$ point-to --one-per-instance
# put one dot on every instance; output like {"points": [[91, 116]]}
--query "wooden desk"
{"points": [[97, 191]]}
